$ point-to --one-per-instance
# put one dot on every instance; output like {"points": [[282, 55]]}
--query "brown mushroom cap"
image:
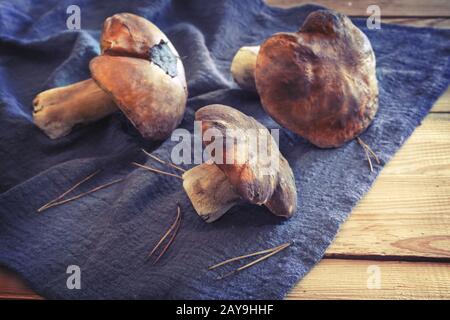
{"points": [[129, 35], [274, 187], [153, 101], [142, 71], [284, 198], [319, 82], [126, 34]]}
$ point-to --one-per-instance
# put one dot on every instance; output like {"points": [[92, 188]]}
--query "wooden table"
{"points": [[401, 229]]}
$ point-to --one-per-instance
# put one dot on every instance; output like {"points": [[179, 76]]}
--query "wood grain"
{"points": [[412, 8], [427, 152], [390, 217], [13, 287], [404, 217], [443, 104], [348, 279], [407, 212]]}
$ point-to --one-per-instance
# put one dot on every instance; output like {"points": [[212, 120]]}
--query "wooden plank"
{"points": [[399, 8], [443, 104], [427, 151], [407, 212], [13, 287], [357, 279], [404, 217]]}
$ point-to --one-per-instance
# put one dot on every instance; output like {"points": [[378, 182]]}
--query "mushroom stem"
{"points": [[243, 67], [209, 191], [57, 110]]}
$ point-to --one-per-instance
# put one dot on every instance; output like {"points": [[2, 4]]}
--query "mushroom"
{"points": [[241, 175], [319, 82], [243, 67], [138, 71]]}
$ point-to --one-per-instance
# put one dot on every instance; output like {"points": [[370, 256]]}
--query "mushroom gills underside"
{"points": [[210, 192]]}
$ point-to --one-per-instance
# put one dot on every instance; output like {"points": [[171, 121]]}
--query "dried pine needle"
{"points": [[368, 148], [68, 191], [172, 238], [53, 204], [167, 232], [153, 157], [270, 252], [156, 170], [368, 151], [368, 158], [172, 229], [245, 256], [163, 162]]}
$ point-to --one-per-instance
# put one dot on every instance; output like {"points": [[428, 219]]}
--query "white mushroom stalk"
{"points": [[57, 111], [210, 192], [243, 67]]}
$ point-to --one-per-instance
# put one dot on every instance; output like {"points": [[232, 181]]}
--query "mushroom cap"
{"points": [[319, 82], [153, 101], [253, 179], [143, 72], [126, 34]]}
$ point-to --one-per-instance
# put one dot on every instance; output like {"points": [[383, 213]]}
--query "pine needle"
{"points": [[367, 156], [174, 234], [83, 194], [245, 256], [156, 170], [68, 191], [365, 145], [174, 224], [174, 227], [368, 151], [163, 162], [272, 252]]}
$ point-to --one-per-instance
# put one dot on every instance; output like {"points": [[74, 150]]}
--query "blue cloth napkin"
{"points": [[109, 234]]}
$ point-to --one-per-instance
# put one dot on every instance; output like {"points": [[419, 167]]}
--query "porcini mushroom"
{"points": [[139, 71], [243, 175], [319, 82]]}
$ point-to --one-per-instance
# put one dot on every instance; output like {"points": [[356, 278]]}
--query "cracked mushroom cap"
{"points": [[144, 74], [319, 82], [254, 178]]}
